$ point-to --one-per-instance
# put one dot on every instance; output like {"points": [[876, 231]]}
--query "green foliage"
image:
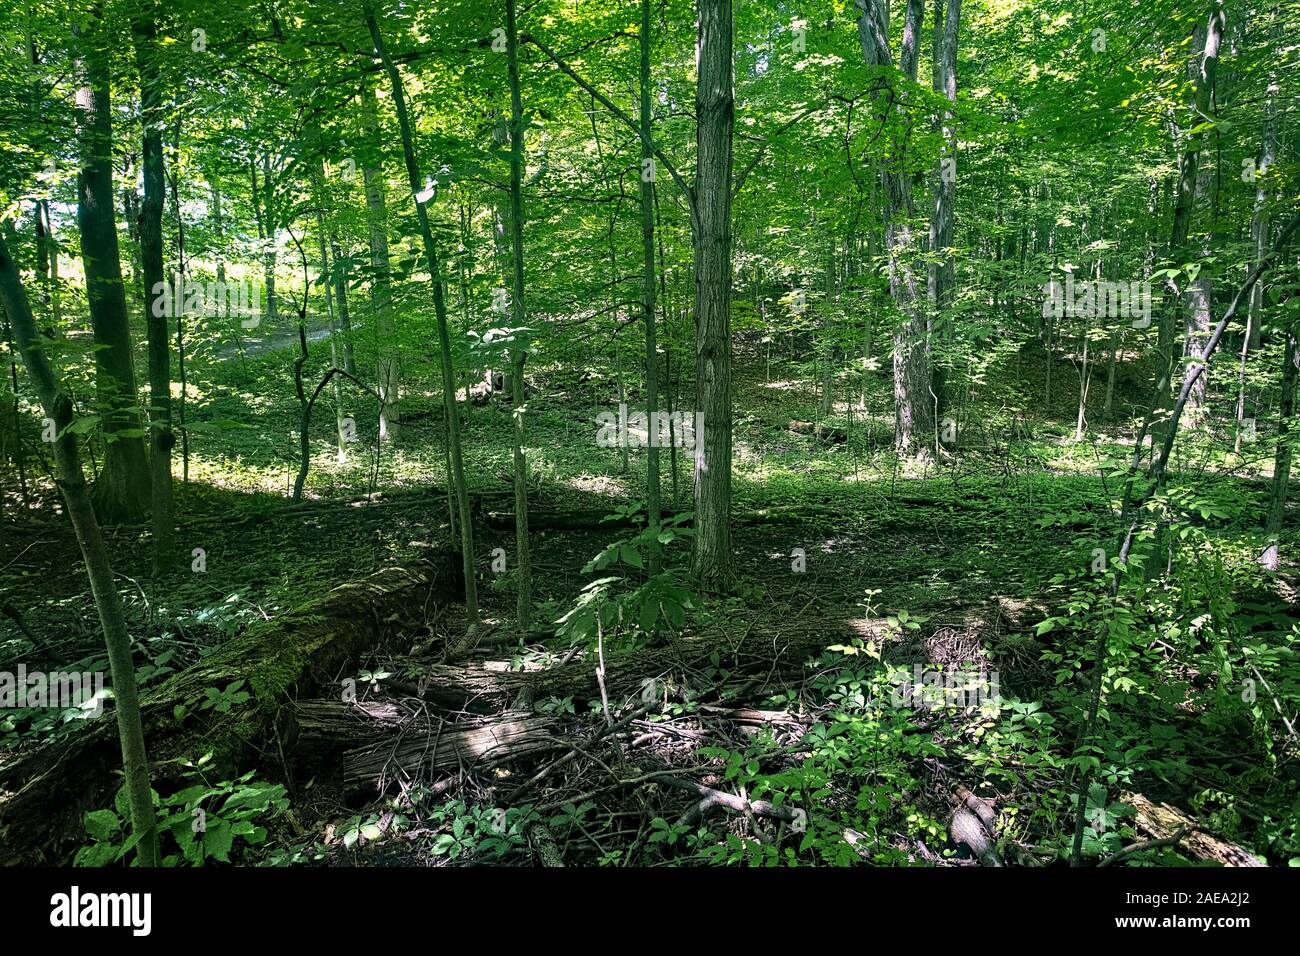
{"points": [[206, 822], [621, 609]]}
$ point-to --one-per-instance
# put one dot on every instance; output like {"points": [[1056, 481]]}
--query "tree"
{"points": [[123, 489], [947, 17], [1271, 557], [72, 484], [434, 262], [162, 440], [1206, 64], [913, 417], [645, 123], [519, 351], [381, 296], [711, 208]]}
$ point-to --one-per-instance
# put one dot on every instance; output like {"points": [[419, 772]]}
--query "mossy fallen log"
{"points": [[44, 795]]}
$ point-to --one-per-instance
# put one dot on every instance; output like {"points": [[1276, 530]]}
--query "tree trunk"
{"points": [[381, 296], [380, 744], [162, 440], [219, 228], [1084, 379], [913, 413], [337, 383], [122, 492], [714, 110], [648, 289], [269, 247], [947, 18], [1211, 33], [440, 310], [180, 309], [1259, 227], [108, 603], [1200, 293], [1116, 342], [519, 317], [1271, 559]]}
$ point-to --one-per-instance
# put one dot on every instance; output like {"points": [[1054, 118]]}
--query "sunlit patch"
{"points": [[596, 484]]}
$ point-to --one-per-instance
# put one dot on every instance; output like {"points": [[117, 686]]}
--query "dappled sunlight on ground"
{"points": [[606, 485]]}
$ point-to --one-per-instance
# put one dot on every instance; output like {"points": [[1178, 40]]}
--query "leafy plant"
{"points": [[204, 821]]}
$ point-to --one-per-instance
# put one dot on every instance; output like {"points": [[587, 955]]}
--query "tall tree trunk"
{"points": [[1200, 292], [381, 296], [341, 442], [519, 352], [337, 280], [1206, 65], [1084, 380], [947, 18], [1259, 228], [1116, 342], [913, 413], [440, 311], [179, 306], [47, 243], [1271, 558], [653, 508], [341, 297], [714, 111], [122, 491], [270, 222], [72, 483], [162, 440], [219, 228]]}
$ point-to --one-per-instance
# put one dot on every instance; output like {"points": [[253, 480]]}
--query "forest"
{"points": [[649, 433]]}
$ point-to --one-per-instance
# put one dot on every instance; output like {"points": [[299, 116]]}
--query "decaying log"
{"points": [[543, 843], [383, 742], [486, 686], [44, 795], [1160, 821], [974, 825]]}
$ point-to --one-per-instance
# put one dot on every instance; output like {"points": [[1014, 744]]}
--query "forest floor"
{"points": [[762, 729]]}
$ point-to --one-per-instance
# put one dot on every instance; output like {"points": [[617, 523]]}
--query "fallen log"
{"points": [[44, 795], [383, 743], [1159, 822], [542, 841], [488, 687]]}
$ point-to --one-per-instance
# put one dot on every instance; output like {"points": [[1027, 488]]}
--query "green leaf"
{"points": [[103, 824]]}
